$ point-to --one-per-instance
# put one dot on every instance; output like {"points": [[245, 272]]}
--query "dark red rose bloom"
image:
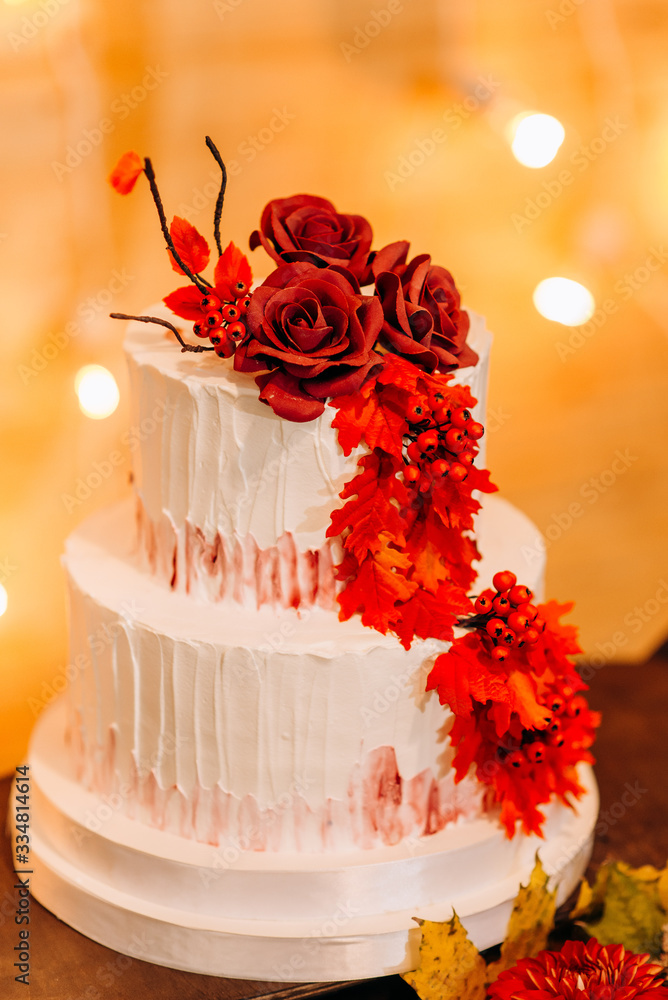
{"points": [[421, 308], [314, 331], [308, 228], [582, 972]]}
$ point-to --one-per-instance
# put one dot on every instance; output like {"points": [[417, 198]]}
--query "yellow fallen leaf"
{"points": [[530, 923], [584, 902], [591, 897], [625, 906], [646, 873], [451, 967], [663, 888]]}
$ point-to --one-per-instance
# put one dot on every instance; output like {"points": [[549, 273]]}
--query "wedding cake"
{"points": [[290, 730]]}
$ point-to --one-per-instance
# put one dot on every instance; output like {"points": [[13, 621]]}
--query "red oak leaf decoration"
{"points": [[524, 768], [521, 729], [381, 583], [374, 499], [419, 496], [377, 414], [374, 415], [429, 616], [465, 675], [425, 548], [564, 639], [354, 414]]}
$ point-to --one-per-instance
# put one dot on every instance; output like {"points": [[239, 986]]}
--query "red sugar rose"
{"points": [[315, 333], [421, 308], [308, 228]]}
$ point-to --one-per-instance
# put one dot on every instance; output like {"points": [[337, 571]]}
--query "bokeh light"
{"points": [[564, 301], [3, 600], [97, 391], [535, 138]]}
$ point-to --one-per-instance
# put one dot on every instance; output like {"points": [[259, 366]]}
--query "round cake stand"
{"points": [[291, 917]]}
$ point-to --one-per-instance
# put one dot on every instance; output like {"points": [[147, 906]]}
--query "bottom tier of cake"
{"points": [[278, 916]]}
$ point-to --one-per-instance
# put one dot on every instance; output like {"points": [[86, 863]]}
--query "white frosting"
{"points": [[222, 705], [210, 455]]}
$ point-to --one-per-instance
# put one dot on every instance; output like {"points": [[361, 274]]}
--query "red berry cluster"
{"points": [[567, 729], [507, 616], [442, 442], [223, 322]]}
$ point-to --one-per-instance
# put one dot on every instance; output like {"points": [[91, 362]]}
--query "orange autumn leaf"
{"points": [[425, 547], [428, 521], [385, 427], [551, 612], [376, 417], [190, 245], [380, 583], [185, 302], [430, 616], [372, 508], [403, 374], [563, 639], [439, 552], [522, 689], [354, 413], [124, 175], [462, 676], [232, 266]]}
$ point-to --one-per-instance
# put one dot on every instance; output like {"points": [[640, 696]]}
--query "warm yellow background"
{"points": [[104, 77]]}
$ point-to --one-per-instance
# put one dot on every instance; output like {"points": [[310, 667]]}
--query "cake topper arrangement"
{"points": [[308, 328], [377, 338]]}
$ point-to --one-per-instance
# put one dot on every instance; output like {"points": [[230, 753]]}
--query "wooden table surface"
{"points": [[632, 753]]}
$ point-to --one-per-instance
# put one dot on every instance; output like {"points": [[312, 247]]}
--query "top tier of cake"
{"points": [[233, 501]]}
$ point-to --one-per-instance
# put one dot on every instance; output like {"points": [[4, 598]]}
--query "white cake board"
{"points": [[275, 917]]}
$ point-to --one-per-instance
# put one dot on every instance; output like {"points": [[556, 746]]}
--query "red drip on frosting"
{"points": [[237, 569], [389, 808], [381, 807]]}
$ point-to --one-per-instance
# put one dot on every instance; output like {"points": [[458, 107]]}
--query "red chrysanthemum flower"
{"points": [[582, 972]]}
